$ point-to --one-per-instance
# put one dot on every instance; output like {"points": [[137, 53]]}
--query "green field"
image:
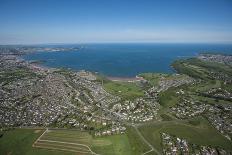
{"points": [[19, 142], [153, 78], [197, 131], [125, 90], [169, 97], [69, 142], [127, 144], [200, 69]]}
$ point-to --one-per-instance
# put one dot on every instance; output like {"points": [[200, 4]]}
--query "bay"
{"points": [[124, 59]]}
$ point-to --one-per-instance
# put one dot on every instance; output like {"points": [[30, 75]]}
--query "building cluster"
{"points": [[188, 108], [166, 83], [219, 115], [226, 78], [87, 75], [173, 145], [31, 99], [138, 110], [30, 49], [95, 90], [226, 59], [5, 50], [218, 93], [111, 131], [31, 95]]}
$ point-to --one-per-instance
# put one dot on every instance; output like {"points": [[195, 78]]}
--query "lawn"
{"points": [[195, 132], [125, 90]]}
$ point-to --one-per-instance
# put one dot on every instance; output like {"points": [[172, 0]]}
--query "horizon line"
{"points": [[111, 42]]}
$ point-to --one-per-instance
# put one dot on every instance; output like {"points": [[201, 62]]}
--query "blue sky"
{"points": [[80, 21]]}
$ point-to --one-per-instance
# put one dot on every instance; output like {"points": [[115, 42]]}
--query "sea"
{"points": [[124, 59]]}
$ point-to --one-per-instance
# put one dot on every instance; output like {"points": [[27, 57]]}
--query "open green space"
{"points": [[125, 90], [125, 144], [119, 144], [19, 142], [197, 131], [169, 97], [201, 69], [153, 78], [71, 136], [203, 86], [65, 142]]}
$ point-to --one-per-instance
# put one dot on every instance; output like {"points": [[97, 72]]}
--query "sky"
{"points": [[81, 21]]}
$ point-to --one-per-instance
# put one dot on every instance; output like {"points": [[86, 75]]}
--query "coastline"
{"points": [[34, 65], [122, 62], [38, 65]]}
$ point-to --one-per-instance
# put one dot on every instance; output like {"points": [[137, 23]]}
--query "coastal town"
{"points": [[116, 77], [44, 97], [36, 96]]}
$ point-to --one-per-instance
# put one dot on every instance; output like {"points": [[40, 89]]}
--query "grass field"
{"points": [[125, 90], [69, 142], [153, 78], [126, 144], [200, 133], [19, 142], [169, 97], [200, 69]]}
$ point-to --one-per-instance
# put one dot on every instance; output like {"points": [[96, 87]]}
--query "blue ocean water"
{"points": [[125, 60]]}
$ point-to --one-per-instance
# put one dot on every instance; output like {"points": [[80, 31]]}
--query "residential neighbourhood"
{"points": [[173, 145]]}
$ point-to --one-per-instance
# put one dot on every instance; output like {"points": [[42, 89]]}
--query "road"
{"points": [[118, 116]]}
